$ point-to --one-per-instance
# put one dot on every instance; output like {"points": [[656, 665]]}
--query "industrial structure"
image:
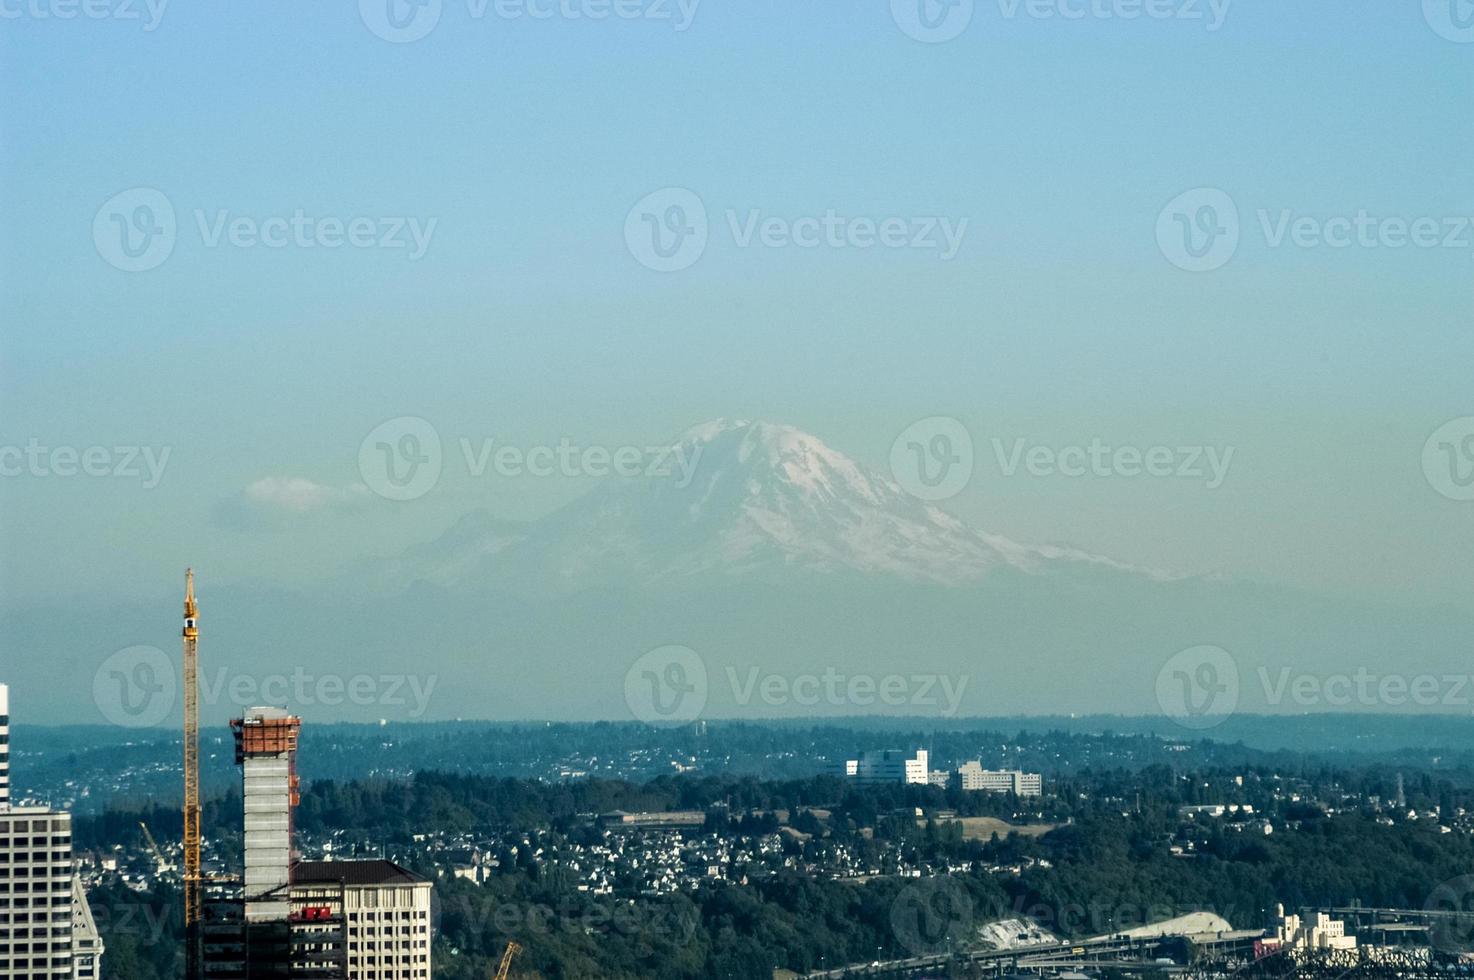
{"points": [[506, 968], [193, 879]]}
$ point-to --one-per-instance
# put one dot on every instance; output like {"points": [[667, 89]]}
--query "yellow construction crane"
{"points": [[512, 950], [192, 877], [153, 845]]}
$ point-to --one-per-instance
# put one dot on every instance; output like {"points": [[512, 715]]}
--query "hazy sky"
{"points": [[527, 141]]}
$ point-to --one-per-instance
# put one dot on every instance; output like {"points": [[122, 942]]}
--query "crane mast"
{"points": [[192, 876], [506, 968]]}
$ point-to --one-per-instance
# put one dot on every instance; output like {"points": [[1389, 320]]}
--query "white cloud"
{"points": [[275, 501], [300, 495]]}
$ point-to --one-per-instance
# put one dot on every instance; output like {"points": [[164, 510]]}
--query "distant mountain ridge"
{"points": [[778, 562]]}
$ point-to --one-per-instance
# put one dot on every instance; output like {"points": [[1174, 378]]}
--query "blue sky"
{"points": [[528, 142]]}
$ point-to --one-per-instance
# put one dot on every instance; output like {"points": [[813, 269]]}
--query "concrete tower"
{"points": [[266, 751]]}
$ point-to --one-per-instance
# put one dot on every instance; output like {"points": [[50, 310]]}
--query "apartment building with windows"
{"points": [[46, 927]]}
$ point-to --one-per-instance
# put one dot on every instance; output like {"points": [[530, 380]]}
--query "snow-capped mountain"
{"points": [[736, 499]]}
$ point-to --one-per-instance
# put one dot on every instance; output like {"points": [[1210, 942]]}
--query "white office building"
{"points": [[46, 927], [974, 778], [887, 766], [384, 908]]}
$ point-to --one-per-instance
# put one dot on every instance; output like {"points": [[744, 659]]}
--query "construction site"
{"points": [[283, 916]]}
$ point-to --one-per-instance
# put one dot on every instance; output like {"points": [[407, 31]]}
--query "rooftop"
{"points": [[353, 873]]}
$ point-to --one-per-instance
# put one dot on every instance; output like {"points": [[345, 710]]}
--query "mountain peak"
{"points": [[768, 455], [739, 500]]}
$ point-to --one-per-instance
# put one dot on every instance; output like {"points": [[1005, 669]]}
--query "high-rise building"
{"points": [[266, 751], [887, 766], [4, 745], [46, 926]]}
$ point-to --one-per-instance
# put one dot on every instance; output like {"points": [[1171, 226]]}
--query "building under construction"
{"points": [[316, 920]]}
